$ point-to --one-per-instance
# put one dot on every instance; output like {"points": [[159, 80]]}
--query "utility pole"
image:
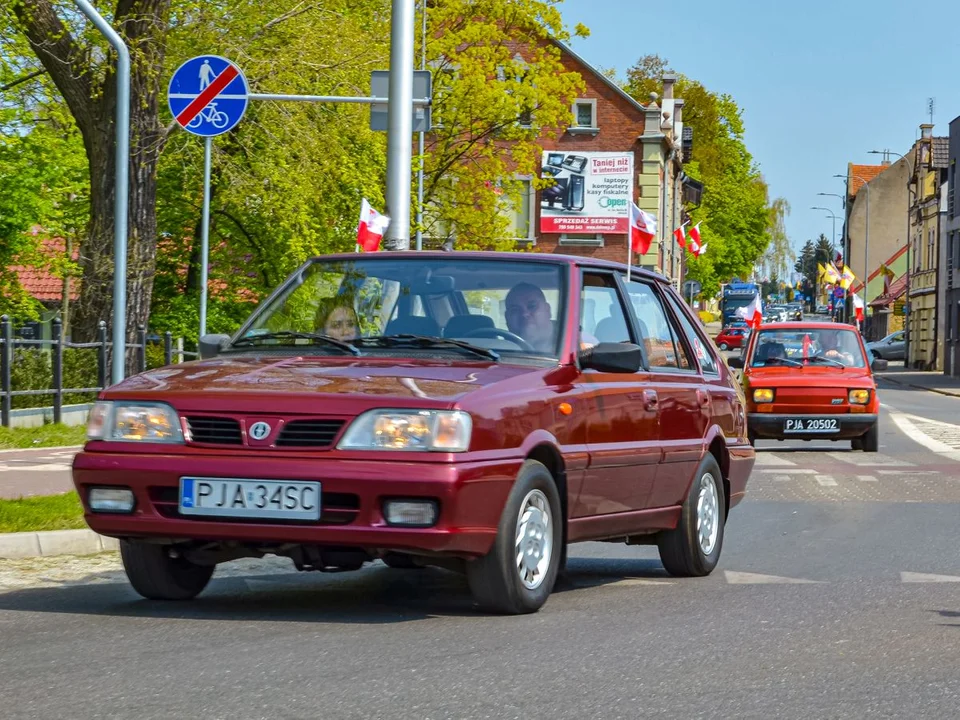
{"points": [[400, 125]]}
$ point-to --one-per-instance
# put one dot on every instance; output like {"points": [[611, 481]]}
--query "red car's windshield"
{"points": [[807, 347]]}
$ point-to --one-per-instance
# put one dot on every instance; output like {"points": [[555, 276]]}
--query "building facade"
{"points": [[950, 267]]}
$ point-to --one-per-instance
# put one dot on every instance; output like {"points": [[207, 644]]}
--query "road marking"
{"points": [[826, 480], [46, 467], [746, 578], [866, 478], [863, 459], [908, 472], [764, 459], [907, 427], [792, 471], [910, 577], [782, 478]]}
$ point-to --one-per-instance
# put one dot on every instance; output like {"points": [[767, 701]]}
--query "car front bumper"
{"points": [[770, 425], [471, 497]]}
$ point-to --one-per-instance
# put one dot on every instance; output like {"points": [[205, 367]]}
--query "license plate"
{"points": [[261, 499], [811, 425]]}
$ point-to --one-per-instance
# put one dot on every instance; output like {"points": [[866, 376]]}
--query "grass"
{"points": [[34, 514], [42, 436]]}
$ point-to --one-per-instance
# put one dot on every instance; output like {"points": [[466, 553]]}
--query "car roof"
{"points": [[804, 325], [551, 258]]}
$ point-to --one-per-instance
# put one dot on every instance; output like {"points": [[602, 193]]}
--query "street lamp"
{"points": [[906, 325], [833, 234], [843, 200]]}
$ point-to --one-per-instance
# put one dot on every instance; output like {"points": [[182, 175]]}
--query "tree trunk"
{"points": [[143, 25]]}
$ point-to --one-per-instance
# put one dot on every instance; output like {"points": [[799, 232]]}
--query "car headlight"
{"points": [[763, 395], [427, 430], [134, 422], [858, 397]]}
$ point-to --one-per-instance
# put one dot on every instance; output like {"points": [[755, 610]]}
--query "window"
{"points": [[515, 76], [584, 114], [931, 250], [695, 339], [656, 335], [592, 239], [602, 315]]}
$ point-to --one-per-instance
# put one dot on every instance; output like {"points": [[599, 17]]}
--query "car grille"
{"points": [[335, 509], [309, 433], [214, 430]]}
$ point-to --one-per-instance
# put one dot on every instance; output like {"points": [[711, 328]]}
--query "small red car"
{"points": [[731, 337], [810, 381], [479, 411]]}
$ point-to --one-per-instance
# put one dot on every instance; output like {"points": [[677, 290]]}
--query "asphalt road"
{"points": [[837, 596]]}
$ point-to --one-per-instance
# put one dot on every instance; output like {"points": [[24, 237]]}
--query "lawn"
{"points": [[52, 512], [42, 436]]}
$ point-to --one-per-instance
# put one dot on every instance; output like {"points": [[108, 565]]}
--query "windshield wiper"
{"points": [[790, 361], [821, 358], [314, 338], [425, 341]]}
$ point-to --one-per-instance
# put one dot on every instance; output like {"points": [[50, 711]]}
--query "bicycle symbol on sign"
{"points": [[217, 118]]}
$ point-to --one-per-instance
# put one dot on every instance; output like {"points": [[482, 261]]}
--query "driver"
{"points": [[832, 346], [528, 315]]}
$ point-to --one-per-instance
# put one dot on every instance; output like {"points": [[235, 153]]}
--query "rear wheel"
{"points": [[870, 442], [692, 549], [724, 346], [752, 437], [518, 574], [160, 572]]}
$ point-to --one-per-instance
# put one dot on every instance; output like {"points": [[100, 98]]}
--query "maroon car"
{"points": [[472, 410]]}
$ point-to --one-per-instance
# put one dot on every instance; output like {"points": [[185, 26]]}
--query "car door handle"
{"points": [[650, 400]]}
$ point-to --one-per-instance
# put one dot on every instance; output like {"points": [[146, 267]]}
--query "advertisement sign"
{"points": [[591, 192]]}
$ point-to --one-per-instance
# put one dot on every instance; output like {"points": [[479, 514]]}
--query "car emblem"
{"points": [[259, 430], [837, 401]]}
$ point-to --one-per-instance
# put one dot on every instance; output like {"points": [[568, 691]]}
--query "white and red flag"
{"points": [[371, 228], [696, 246], [752, 313], [643, 228], [858, 307], [679, 235]]}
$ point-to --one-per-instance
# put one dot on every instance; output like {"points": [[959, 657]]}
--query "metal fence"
{"points": [[55, 346]]}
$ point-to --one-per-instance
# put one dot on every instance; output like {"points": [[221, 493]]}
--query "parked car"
{"points": [[479, 411], [810, 380], [731, 337], [892, 347]]}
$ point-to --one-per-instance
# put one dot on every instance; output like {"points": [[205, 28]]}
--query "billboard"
{"points": [[591, 192]]}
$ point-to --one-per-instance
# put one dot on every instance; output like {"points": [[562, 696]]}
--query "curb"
{"points": [[78, 448], [54, 542], [947, 393]]}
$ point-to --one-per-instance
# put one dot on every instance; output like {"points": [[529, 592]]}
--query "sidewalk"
{"points": [[933, 381]]}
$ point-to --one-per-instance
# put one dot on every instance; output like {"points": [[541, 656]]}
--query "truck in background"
{"points": [[736, 295]]}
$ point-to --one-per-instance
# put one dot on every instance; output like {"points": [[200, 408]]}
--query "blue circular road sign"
{"points": [[208, 95]]}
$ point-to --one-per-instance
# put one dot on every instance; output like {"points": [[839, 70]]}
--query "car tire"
{"points": [[870, 441], [157, 573], [752, 437], [692, 549], [498, 580], [724, 346]]}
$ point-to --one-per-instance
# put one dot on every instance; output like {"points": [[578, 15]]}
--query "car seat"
{"points": [[462, 325], [413, 325], [612, 329]]}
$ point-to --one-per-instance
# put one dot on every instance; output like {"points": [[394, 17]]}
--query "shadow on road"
{"points": [[374, 595]]}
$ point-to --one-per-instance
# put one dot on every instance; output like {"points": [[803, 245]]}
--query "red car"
{"points": [[731, 337], [479, 411]]}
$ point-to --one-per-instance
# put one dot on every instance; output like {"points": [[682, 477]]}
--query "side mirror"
{"points": [[736, 362], [612, 358], [879, 365], [211, 345]]}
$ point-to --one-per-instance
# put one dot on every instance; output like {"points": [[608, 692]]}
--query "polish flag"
{"points": [[371, 229], [643, 228], [679, 235], [752, 313], [807, 346], [858, 307], [695, 247]]}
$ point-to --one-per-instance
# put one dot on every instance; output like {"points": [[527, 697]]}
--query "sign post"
{"points": [[208, 96]]}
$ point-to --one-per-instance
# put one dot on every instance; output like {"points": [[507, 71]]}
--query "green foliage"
{"points": [[32, 369], [36, 514], [49, 435], [734, 213]]}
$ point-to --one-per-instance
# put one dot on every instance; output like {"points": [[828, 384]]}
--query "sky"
{"points": [[820, 83]]}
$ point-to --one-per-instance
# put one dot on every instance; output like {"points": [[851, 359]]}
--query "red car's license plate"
{"points": [[811, 425]]}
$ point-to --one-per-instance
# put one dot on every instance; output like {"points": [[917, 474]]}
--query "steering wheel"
{"points": [[502, 334]]}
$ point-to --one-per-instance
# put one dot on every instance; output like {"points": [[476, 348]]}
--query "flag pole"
{"points": [[629, 235]]}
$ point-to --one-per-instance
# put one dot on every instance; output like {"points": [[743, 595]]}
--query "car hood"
{"points": [[295, 384], [817, 376]]}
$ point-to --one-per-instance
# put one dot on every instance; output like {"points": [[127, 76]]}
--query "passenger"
{"points": [[337, 318], [528, 315]]}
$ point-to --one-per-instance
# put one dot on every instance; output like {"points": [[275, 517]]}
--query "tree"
{"points": [[813, 255], [735, 214], [498, 84], [779, 254]]}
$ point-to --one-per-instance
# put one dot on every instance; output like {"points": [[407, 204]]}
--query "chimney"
{"points": [[926, 131], [669, 80]]}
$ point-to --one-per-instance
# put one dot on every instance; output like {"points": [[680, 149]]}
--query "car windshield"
{"points": [[388, 305], [813, 346]]}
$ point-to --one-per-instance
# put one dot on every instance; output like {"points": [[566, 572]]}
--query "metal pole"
{"points": [[866, 252], [400, 125], [205, 236], [121, 169], [906, 302], [423, 66]]}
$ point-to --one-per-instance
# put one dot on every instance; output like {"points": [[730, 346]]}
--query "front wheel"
{"points": [[160, 572], [870, 441], [692, 549], [518, 574], [724, 346]]}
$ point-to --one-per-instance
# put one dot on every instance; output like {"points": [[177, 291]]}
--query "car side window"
{"points": [[603, 317], [656, 334], [701, 348]]}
